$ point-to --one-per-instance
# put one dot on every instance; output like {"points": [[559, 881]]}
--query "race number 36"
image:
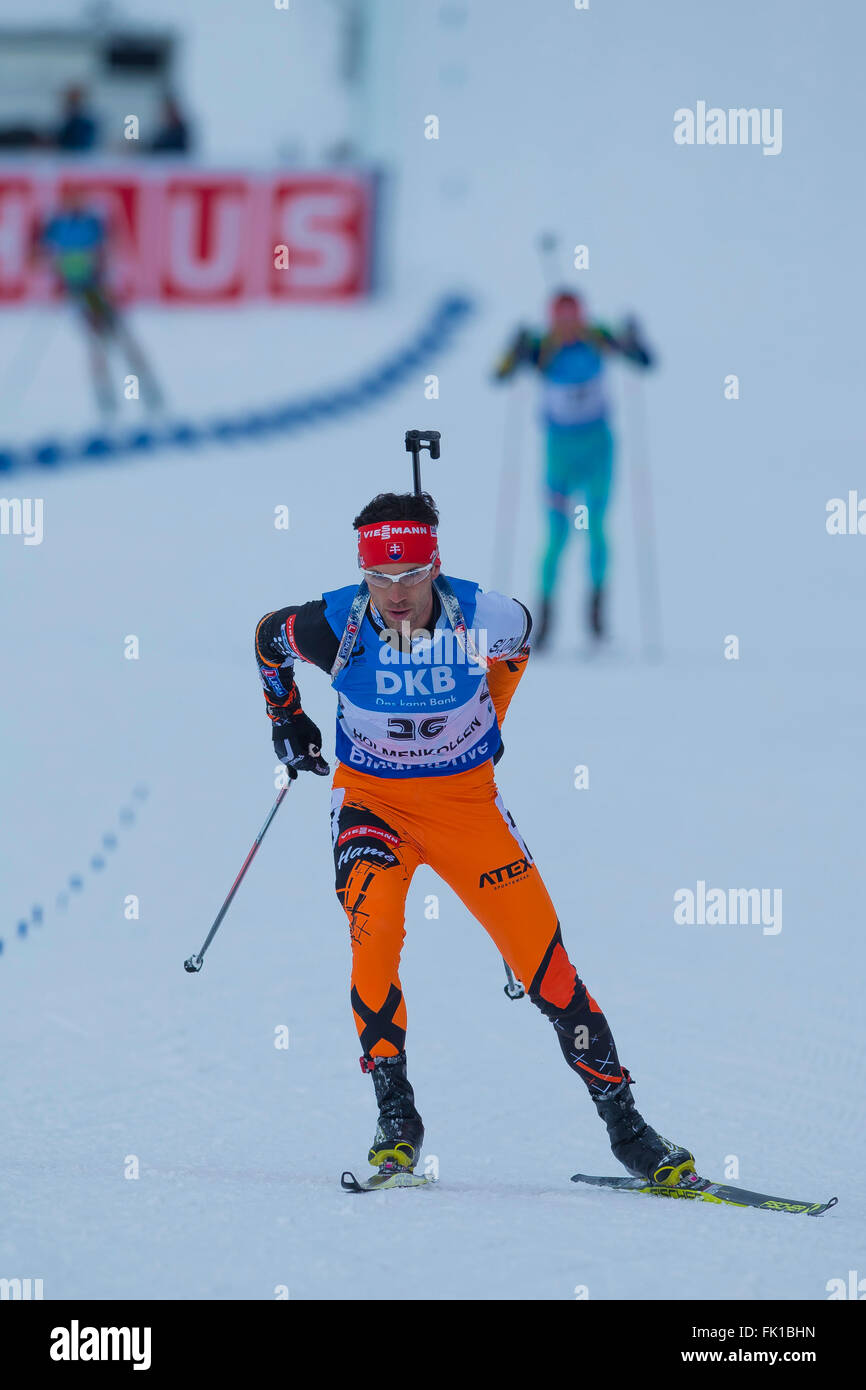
{"points": [[400, 727]]}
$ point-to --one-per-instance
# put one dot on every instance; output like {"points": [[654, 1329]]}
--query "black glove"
{"points": [[519, 352], [522, 345], [631, 341], [298, 744]]}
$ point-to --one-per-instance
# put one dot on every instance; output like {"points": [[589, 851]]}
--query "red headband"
{"points": [[395, 543]]}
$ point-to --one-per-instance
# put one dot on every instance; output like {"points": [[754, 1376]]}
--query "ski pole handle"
{"points": [[194, 963], [548, 249]]}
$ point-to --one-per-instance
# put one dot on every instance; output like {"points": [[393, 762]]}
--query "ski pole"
{"points": [[646, 547], [140, 365], [508, 501], [195, 963], [514, 989], [21, 371]]}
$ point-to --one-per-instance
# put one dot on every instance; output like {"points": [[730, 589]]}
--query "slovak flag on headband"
{"points": [[396, 542]]}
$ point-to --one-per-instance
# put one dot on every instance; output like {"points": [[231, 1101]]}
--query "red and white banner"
{"points": [[200, 237]]}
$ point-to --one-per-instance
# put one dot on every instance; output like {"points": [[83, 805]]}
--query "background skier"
{"points": [[579, 443], [74, 241]]}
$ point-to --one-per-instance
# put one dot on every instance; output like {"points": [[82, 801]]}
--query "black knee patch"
{"points": [[379, 1025]]}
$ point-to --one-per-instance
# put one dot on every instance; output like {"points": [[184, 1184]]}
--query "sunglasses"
{"points": [[407, 580]]}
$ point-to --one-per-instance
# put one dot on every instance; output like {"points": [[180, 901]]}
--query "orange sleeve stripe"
{"points": [[266, 661], [503, 678]]}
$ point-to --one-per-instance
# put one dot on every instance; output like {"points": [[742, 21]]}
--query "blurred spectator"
{"points": [[78, 128], [343, 152], [173, 135]]}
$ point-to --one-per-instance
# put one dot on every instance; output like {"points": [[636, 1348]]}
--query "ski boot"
{"points": [[636, 1144], [400, 1131], [596, 617], [542, 625]]}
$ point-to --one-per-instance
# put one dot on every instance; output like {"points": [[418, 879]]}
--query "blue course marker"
{"points": [[367, 390]]}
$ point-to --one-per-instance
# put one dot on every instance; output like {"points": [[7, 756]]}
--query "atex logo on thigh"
{"points": [[505, 874]]}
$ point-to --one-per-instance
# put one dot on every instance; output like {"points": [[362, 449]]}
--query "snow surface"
{"points": [[741, 773]]}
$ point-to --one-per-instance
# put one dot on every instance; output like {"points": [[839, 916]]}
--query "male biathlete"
{"points": [[425, 667], [579, 443]]}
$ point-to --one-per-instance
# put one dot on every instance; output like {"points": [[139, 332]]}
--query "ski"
{"points": [[694, 1187], [386, 1178]]}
